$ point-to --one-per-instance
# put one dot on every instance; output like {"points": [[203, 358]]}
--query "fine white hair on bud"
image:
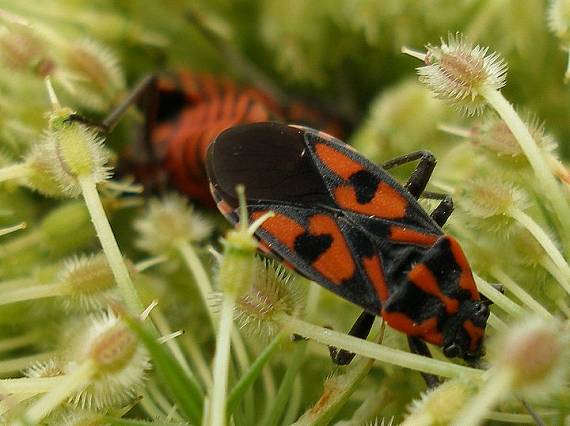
{"points": [[96, 76], [558, 19], [168, 221], [90, 281], [273, 292], [536, 352], [66, 153], [441, 404], [121, 361], [457, 71]]}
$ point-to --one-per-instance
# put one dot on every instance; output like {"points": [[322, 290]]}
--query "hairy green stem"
{"points": [[14, 228], [201, 277], [549, 247], [33, 292], [519, 292], [72, 383], [546, 180], [110, 246], [373, 350], [14, 171], [221, 363], [29, 385]]}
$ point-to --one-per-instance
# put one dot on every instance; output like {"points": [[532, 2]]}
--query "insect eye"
{"points": [[481, 311], [451, 351]]}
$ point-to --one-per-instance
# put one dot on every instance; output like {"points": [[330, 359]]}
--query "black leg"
{"points": [[360, 329], [145, 90], [418, 346], [444, 209], [142, 156], [421, 174]]}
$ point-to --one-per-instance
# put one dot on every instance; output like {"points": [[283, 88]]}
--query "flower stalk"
{"points": [[372, 350], [546, 179], [71, 384], [110, 246]]}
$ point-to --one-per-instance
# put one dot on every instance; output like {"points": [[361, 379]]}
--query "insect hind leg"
{"points": [[418, 346], [421, 175], [443, 210], [361, 328]]}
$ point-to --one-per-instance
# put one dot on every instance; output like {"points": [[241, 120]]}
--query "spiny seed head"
{"points": [[80, 152], [457, 71], [558, 19], [49, 368], [273, 292], [441, 404], [169, 221], [536, 351], [120, 358], [95, 74], [486, 203], [493, 134], [42, 176], [526, 249], [22, 49], [72, 416], [91, 283], [66, 153]]}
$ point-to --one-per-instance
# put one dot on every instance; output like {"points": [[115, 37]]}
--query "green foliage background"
{"points": [[341, 54]]}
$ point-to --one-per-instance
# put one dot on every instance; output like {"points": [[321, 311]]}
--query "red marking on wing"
{"points": [[475, 334], [336, 161], [466, 280], [387, 203], [336, 264], [375, 274], [427, 329], [422, 277], [409, 236], [281, 227]]}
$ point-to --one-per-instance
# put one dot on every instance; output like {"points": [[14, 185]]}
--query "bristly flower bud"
{"points": [[90, 282], [22, 49], [493, 134], [486, 203], [68, 152], [96, 75], [169, 221], [559, 23], [120, 359], [440, 405], [457, 71], [535, 351], [559, 19], [273, 292]]}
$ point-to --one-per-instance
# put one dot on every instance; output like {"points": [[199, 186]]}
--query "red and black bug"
{"points": [[184, 113], [346, 224]]}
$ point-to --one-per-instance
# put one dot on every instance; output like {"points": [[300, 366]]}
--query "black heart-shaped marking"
{"points": [[365, 185], [309, 247]]}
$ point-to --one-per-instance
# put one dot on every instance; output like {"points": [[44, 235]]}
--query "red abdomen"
{"points": [[192, 110]]}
